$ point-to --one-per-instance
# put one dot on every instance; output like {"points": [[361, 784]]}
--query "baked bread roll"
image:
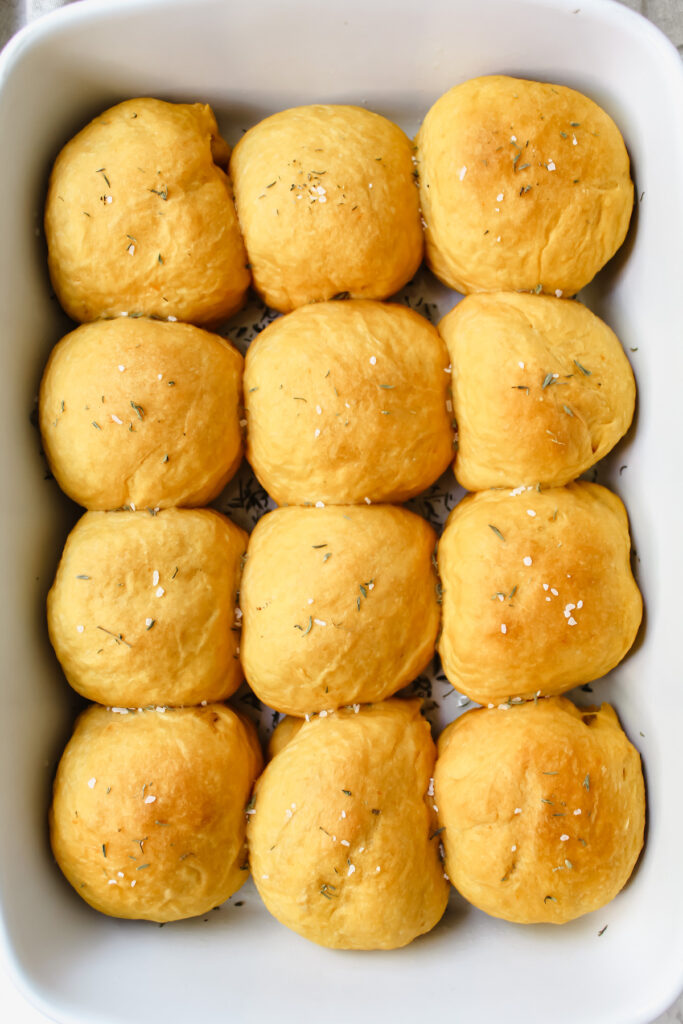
{"points": [[542, 809], [327, 202], [538, 594], [140, 217], [142, 609], [147, 819], [343, 838], [523, 185], [140, 413], [340, 605], [346, 403], [542, 389], [285, 730]]}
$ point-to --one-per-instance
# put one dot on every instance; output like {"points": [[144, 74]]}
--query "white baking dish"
{"points": [[248, 60]]}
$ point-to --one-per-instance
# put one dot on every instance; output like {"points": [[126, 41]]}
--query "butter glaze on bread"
{"points": [[523, 185], [538, 594], [142, 609], [339, 605], [542, 808], [542, 389], [141, 413], [346, 404], [147, 819], [343, 844], [327, 202], [140, 218]]}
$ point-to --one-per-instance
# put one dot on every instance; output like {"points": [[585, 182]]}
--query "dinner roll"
{"points": [[346, 403], [285, 730], [327, 202], [342, 836], [140, 217], [142, 609], [340, 605], [538, 594], [542, 809], [523, 185], [542, 389], [140, 413], [147, 819]]}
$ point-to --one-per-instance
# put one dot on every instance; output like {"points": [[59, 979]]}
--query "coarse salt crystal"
{"points": [[551, 165], [571, 621], [558, 293], [150, 799], [564, 838], [155, 578], [351, 870], [116, 419], [503, 628], [373, 360], [577, 811], [518, 810], [345, 842], [527, 560], [91, 783], [318, 410], [160, 592], [367, 501], [80, 628], [520, 364], [121, 368], [463, 172], [317, 432], [320, 622], [530, 512], [148, 623], [320, 504], [499, 197]]}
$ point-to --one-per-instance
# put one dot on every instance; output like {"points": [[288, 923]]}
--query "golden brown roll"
{"points": [[140, 217], [327, 202], [342, 839], [285, 730], [347, 403], [542, 389], [339, 605], [523, 185], [147, 819], [542, 809], [140, 413], [143, 607], [538, 594]]}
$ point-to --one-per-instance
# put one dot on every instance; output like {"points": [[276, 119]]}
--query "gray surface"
{"points": [[666, 14]]}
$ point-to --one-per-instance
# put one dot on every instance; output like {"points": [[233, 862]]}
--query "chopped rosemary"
{"points": [[308, 628], [583, 369], [138, 409], [548, 380], [496, 531], [587, 782]]}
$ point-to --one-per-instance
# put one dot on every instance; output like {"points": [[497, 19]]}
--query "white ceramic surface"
{"points": [[398, 56]]}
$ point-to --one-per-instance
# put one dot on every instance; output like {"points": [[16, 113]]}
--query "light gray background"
{"points": [[666, 14]]}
